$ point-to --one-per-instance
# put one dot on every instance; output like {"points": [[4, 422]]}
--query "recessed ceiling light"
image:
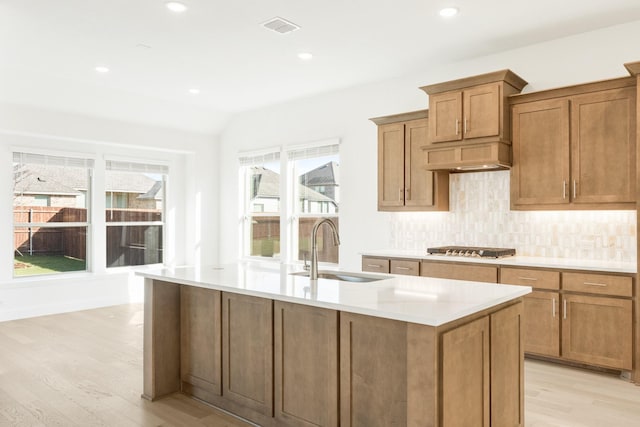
{"points": [[176, 6], [448, 12], [194, 91], [305, 56], [102, 69]]}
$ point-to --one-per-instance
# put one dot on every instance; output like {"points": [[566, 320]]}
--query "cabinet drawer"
{"points": [[375, 265], [539, 279], [598, 284], [450, 270], [408, 268]]}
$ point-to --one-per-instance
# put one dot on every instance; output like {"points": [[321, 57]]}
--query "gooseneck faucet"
{"points": [[313, 273]]}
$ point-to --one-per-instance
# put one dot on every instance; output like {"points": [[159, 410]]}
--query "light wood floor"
{"points": [[85, 369]]}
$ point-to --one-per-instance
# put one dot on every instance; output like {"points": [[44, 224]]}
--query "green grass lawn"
{"points": [[30, 265]]}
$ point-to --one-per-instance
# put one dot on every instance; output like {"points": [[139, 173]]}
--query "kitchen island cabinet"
{"points": [[401, 341]]}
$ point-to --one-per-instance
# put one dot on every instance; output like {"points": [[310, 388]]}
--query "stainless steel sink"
{"points": [[339, 275]]}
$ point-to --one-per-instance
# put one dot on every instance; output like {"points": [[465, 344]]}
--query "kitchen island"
{"points": [[280, 349]]}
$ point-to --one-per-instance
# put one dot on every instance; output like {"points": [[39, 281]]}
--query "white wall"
{"points": [[192, 199], [587, 57]]}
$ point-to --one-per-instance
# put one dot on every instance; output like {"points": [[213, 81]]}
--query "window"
{"points": [[316, 174], [135, 196], [260, 179], [50, 213], [308, 178]]}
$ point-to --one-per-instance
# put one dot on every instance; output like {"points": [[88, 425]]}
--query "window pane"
{"points": [[264, 188], [133, 196], [265, 236], [134, 245], [319, 184], [46, 193], [327, 250], [49, 250]]}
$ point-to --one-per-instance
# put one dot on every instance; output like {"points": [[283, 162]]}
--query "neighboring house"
{"points": [[323, 179], [39, 185], [265, 194]]}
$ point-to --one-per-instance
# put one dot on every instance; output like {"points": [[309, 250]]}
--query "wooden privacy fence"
{"points": [[126, 245], [265, 238]]}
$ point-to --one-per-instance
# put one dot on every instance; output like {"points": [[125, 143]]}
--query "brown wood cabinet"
{"points": [[577, 316], [200, 328], [465, 363], [597, 330], [306, 363], [469, 125], [403, 183], [457, 271], [406, 267], [575, 148], [375, 264], [247, 357]]}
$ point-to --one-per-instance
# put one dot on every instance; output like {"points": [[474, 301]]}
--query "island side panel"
{"points": [[465, 375], [161, 373], [373, 371], [422, 376], [507, 367], [306, 365]]}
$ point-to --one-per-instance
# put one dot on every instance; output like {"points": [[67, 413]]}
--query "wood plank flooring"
{"points": [[85, 369]]}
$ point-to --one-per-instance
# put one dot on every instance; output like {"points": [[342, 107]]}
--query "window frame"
{"points": [[289, 210], [42, 158]]}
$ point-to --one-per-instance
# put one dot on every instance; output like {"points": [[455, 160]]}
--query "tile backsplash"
{"points": [[479, 216]]}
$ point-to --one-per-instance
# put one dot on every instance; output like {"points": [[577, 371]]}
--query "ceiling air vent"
{"points": [[281, 26]]}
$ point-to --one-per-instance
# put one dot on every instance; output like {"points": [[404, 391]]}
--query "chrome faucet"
{"points": [[313, 273]]}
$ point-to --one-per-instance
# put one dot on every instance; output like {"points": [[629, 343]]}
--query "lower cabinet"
{"points": [[578, 317], [449, 270], [200, 328], [597, 331], [306, 363], [542, 323], [247, 356]]}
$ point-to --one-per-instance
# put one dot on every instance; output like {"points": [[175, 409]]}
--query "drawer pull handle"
{"points": [[374, 265], [528, 278], [553, 307], [402, 268], [595, 284]]}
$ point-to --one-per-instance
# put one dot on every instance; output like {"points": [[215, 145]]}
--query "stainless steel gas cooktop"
{"points": [[472, 251]]}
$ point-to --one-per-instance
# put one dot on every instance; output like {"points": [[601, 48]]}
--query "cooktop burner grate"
{"points": [[473, 251]]}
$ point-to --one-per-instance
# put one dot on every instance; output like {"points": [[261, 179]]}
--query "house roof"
{"points": [[269, 187], [58, 180], [327, 174]]}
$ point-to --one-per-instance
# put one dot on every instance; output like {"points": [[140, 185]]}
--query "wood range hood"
{"points": [[469, 122]]}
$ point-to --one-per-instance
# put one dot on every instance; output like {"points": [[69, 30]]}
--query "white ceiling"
{"points": [[49, 49]]}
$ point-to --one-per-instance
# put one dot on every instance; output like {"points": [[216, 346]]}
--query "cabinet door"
{"points": [[200, 342], [540, 172], [419, 182], [445, 116], [597, 331], [465, 375], [542, 323], [247, 356], [306, 363], [373, 371], [481, 111], [603, 144], [507, 367], [390, 165]]}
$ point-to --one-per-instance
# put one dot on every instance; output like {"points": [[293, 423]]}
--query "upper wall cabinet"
{"points": [[403, 183], [574, 148], [469, 121]]}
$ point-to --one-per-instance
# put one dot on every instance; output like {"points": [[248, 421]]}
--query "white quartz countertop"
{"points": [[516, 261], [422, 300]]}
